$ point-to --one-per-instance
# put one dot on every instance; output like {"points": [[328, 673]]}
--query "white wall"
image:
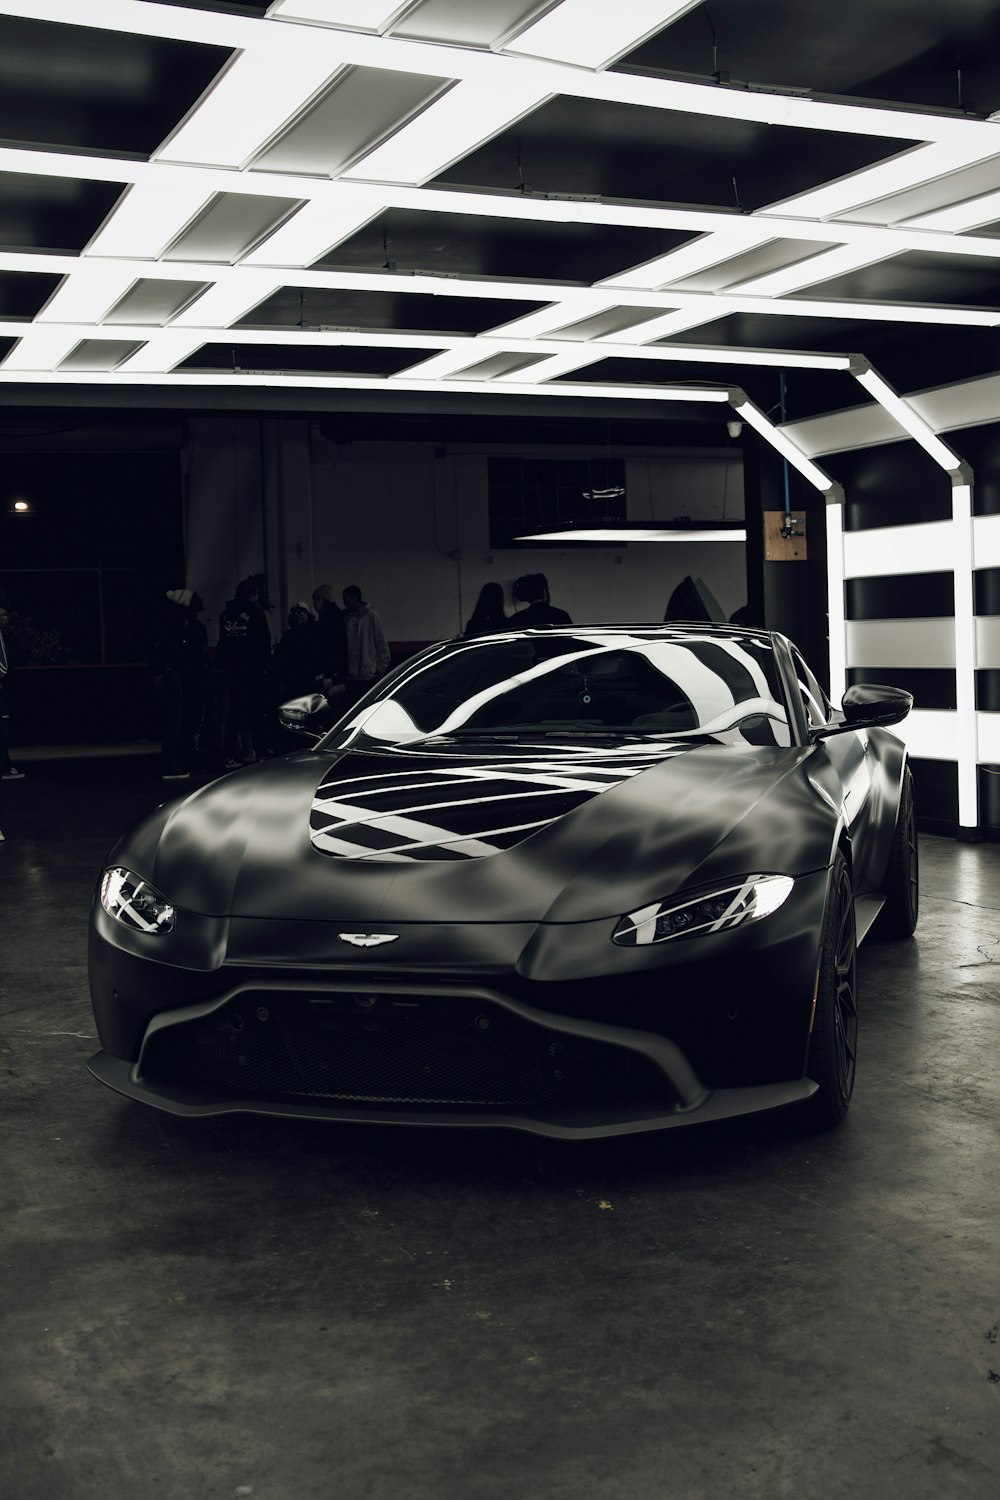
{"points": [[410, 525], [413, 531]]}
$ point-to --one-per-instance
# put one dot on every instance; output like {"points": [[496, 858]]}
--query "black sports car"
{"points": [[578, 881]]}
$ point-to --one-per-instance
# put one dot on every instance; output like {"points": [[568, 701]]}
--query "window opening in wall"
{"points": [[529, 494]]}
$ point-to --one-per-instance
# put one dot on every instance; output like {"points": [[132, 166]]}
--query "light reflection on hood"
{"points": [[460, 806]]}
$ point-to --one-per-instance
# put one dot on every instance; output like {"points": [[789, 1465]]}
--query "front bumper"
{"points": [[259, 1051], [542, 1028]]}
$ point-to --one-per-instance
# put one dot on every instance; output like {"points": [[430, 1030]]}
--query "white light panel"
{"points": [[965, 655], [756, 419], [449, 128], [593, 33], [636, 534], [366, 15], [893, 551], [908, 419], [836, 628]]}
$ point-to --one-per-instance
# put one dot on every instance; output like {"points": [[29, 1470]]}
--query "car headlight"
{"points": [[135, 902], [747, 900]]}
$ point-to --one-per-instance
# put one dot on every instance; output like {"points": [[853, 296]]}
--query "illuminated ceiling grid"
{"points": [[327, 120]]}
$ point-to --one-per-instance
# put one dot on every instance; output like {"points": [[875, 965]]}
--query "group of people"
{"points": [[222, 709], [530, 590]]}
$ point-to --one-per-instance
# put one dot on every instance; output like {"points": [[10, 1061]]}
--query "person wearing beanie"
{"points": [[298, 661]]}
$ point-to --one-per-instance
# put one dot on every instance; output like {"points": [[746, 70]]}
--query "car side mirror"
{"points": [[868, 705], [308, 716]]}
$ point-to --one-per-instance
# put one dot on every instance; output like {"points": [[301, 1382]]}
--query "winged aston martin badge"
{"points": [[367, 939]]}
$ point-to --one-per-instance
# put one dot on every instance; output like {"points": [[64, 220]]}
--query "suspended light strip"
{"points": [[311, 232], [594, 33], [908, 169], [822, 267], [164, 349], [33, 375], [707, 251], [557, 364], [149, 215], [448, 129], [85, 297], [743, 231], [366, 15], [467, 350], [583, 301], [975, 139], [637, 534], [958, 217], [963, 561], [907, 418], [228, 300], [836, 624], [756, 419], [666, 326], [39, 351]]}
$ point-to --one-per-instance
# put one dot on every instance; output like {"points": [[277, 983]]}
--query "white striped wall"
{"points": [[963, 736]]}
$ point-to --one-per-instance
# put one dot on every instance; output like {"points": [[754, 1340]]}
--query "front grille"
{"points": [[405, 1050]]}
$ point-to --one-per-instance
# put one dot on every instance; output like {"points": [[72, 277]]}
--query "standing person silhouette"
{"points": [[244, 659], [8, 772], [532, 590], [367, 649], [332, 639], [489, 615]]}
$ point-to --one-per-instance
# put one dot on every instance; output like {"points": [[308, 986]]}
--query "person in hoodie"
{"points": [[367, 649], [243, 659]]}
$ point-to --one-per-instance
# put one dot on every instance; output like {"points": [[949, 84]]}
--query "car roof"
{"points": [[678, 629]]}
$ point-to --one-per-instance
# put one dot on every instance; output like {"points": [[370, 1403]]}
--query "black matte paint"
{"points": [[261, 909]]}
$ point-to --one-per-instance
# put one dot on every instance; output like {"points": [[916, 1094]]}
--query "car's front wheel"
{"points": [[833, 1042]]}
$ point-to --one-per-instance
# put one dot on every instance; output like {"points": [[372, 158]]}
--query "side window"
{"points": [[814, 700]]}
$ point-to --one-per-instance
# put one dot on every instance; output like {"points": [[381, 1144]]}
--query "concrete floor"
{"points": [[299, 1312]]}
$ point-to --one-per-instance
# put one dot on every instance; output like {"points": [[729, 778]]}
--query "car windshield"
{"points": [[710, 685]]}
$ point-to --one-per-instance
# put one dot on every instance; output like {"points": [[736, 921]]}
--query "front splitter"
{"points": [[721, 1104]]}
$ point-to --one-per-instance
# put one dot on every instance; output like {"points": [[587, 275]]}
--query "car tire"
{"points": [[898, 917], [833, 1041]]}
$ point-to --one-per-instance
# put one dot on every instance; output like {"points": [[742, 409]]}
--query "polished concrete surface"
{"points": [[298, 1312]]}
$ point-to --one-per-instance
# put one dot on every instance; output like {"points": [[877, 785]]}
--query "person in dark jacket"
{"points": [[532, 590], [297, 656], [243, 659], [489, 615], [178, 658], [333, 641]]}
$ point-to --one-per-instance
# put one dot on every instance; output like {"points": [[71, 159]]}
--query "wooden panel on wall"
{"points": [[777, 546]]}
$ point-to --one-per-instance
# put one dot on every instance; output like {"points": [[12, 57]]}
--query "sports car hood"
{"points": [[491, 833]]}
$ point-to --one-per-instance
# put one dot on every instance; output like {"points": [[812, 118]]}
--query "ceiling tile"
{"points": [[295, 307], [231, 225], [474, 245], [90, 89], [99, 354], [363, 106]]}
